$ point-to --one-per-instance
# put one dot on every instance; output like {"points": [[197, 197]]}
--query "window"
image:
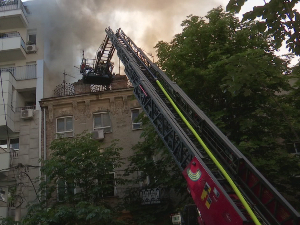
{"points": [[3, 144], [134, 115], [14, 144], [31, 37], [146, 179], [64, 126], [109, 185], [102, 121], [64, 189], [293, 148]]}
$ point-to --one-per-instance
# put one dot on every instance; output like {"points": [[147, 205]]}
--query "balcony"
{"points": [[150, 196], [27, 72], [12, 47], [12, 14], [6, 110], [4, 159]]}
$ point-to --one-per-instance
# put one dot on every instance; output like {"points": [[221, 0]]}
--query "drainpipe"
{"points": [[40, 140], [45, 133], [45, 138]]}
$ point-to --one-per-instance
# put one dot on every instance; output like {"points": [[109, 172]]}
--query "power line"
{"points": [[32, 185]]}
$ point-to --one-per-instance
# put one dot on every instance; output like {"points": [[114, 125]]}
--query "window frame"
{"points": [[146, 182], [11, 145], [132, 120], [29, 33], [114, 186], [104, 127], [6, 141], [65, 189], [62, 133]]}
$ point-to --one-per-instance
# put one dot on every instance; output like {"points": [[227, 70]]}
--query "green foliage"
{"points": [[153, 162], [79, 163], [292, 101], [8, 221], [278, 18], [230, 71]]}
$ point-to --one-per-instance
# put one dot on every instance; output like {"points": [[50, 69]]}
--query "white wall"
{"points": [[39, 83], [7, 82]]}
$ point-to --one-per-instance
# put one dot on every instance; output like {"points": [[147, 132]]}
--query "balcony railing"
{"points": [[11, 35], [7, 5], [69, 89], [4, 159], [150, 196], [22, 72], [19, 109]]}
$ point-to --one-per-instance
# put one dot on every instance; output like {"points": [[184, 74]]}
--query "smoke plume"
{"points": [[71, 26]]}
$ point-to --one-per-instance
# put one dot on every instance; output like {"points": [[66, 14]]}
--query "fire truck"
{"points": [[225, 186]]}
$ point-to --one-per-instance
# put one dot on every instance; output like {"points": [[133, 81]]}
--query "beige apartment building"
{"points": [[29, 121], [21, 82], [108, 115]]}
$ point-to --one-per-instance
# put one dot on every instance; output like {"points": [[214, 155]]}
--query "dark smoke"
{"points": [[71, 26]]}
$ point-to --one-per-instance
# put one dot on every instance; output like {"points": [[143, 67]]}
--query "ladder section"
{"points": [[126, 41], [272, 207], [103, 56], [154, 104]]}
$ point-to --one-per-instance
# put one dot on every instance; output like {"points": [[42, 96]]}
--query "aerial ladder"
{"points": [[101, 72], [225, 186]]}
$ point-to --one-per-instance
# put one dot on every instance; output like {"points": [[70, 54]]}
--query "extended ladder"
{"points": [[215, 196]]}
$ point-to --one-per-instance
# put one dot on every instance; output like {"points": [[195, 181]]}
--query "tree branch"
{"points": [[290, 16]]}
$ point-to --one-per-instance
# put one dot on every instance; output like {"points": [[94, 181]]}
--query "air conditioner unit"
{"points": [[31, 48], [27, 113], [98, 134]]}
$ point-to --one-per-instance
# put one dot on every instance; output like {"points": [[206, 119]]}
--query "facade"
{"points": [[21, 83], [108, 115], [29, 122]]}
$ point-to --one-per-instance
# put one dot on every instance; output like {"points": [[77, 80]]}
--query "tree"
{"points": [[78, 178], [230, 71], [8, 221], [278, 17], [155, 165]]}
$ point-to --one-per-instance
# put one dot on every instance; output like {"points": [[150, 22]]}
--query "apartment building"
{"points": [[21, 88], [29, 121], [107, 114]]}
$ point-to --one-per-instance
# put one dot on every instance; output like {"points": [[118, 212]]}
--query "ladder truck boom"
{"points": [[225, 186]]}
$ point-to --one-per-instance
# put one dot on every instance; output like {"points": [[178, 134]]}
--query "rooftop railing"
{"points": [[76, 88], [22, 72], [7, 5]]}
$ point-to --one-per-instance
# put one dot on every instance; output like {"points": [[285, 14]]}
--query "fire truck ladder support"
{"points": [[163, 100], [232, 184]]}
